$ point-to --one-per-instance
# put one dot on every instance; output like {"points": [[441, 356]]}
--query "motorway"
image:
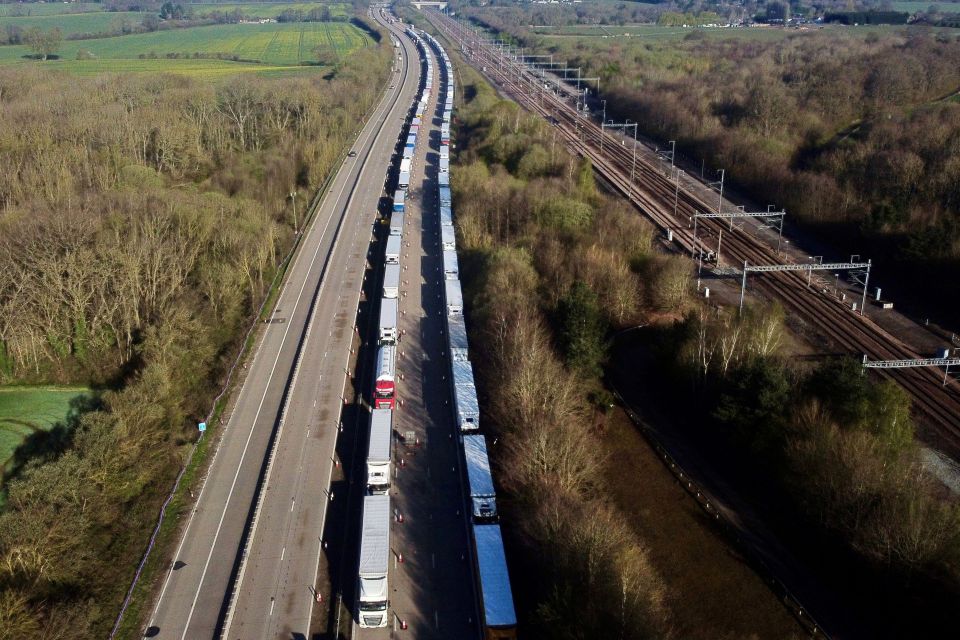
{"points": [[432, 590], [289, 405]]}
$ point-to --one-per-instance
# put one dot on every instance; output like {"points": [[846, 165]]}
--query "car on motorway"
{"points": [[352, 154]]}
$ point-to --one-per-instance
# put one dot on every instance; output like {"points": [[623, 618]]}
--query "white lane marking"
{"points": [[236, 475], [323, 283], [283, 553], [272, 603], [323, 518], [292, 502]]}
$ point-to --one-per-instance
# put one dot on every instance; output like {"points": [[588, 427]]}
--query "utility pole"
{"points": [[723, 173], [603, 121]]}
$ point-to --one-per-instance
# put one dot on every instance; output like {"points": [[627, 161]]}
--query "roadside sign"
{"points": [[202, 427]]}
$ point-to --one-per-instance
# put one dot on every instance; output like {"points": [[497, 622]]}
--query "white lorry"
{"points": [[388, 321], [378, 451], [483, 496], [391, 281], [372, 586]]}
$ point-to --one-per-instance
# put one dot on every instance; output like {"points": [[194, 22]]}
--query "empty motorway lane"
{"points": [[292, 395]]}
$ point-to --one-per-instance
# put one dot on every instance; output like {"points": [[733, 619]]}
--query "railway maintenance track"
{"points": [[656, 195]]}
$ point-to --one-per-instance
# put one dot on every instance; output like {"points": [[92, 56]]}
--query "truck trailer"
{"points": [[399, 200], [453, 296], [496, 596], [396, 224], [392, 254], [391, 281], [457, 339], [468, 409], [451, 266], [378, 451], [448, 237], [483, 496], [372, 587], [385, 386], [388, 321], [446, 216]]}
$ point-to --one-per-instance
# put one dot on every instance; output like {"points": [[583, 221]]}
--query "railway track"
{"points": [[654, 194]]}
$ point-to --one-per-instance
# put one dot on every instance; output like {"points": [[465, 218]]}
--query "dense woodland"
{"points": [[142, 219], [831, 446], [857, 136]]}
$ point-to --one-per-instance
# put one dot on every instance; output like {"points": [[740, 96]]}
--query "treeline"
{"points": [[142, 219], [551, 268], [511, 15], [867, 17], [836, 447]]}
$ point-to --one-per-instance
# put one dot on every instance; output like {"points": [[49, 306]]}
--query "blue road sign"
{"points": [[202, 426]]}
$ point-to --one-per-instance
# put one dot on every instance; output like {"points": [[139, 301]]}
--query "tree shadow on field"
{"points": [[39, 57], [46, 444]]}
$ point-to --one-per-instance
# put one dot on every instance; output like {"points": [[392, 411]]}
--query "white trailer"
{"points": [[405, 165], [444, 165], [457, 339], [451, 266], [388, 321], [453, 296], [372, 587], [396, 224], [391, 281], [446, 197], [468, 409], [499, 615], [443, 179], [379, 451], [448, 238], [392, 255], [444, 151], [446, 216], [462, 372], [404, 181], [483, 496]]}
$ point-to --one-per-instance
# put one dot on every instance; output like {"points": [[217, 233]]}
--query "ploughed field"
{"points": [[210, 50]]}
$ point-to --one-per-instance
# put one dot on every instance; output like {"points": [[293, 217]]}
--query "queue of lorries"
{"points": [[498, 616]]}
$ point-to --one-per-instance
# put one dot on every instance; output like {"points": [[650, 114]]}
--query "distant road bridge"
{"points": [[421, 5]]}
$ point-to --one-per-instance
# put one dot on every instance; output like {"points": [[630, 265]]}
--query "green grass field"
{"points": [[48, 8], [266, 9], [73, 23], [269, 49], [24, 410]]}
